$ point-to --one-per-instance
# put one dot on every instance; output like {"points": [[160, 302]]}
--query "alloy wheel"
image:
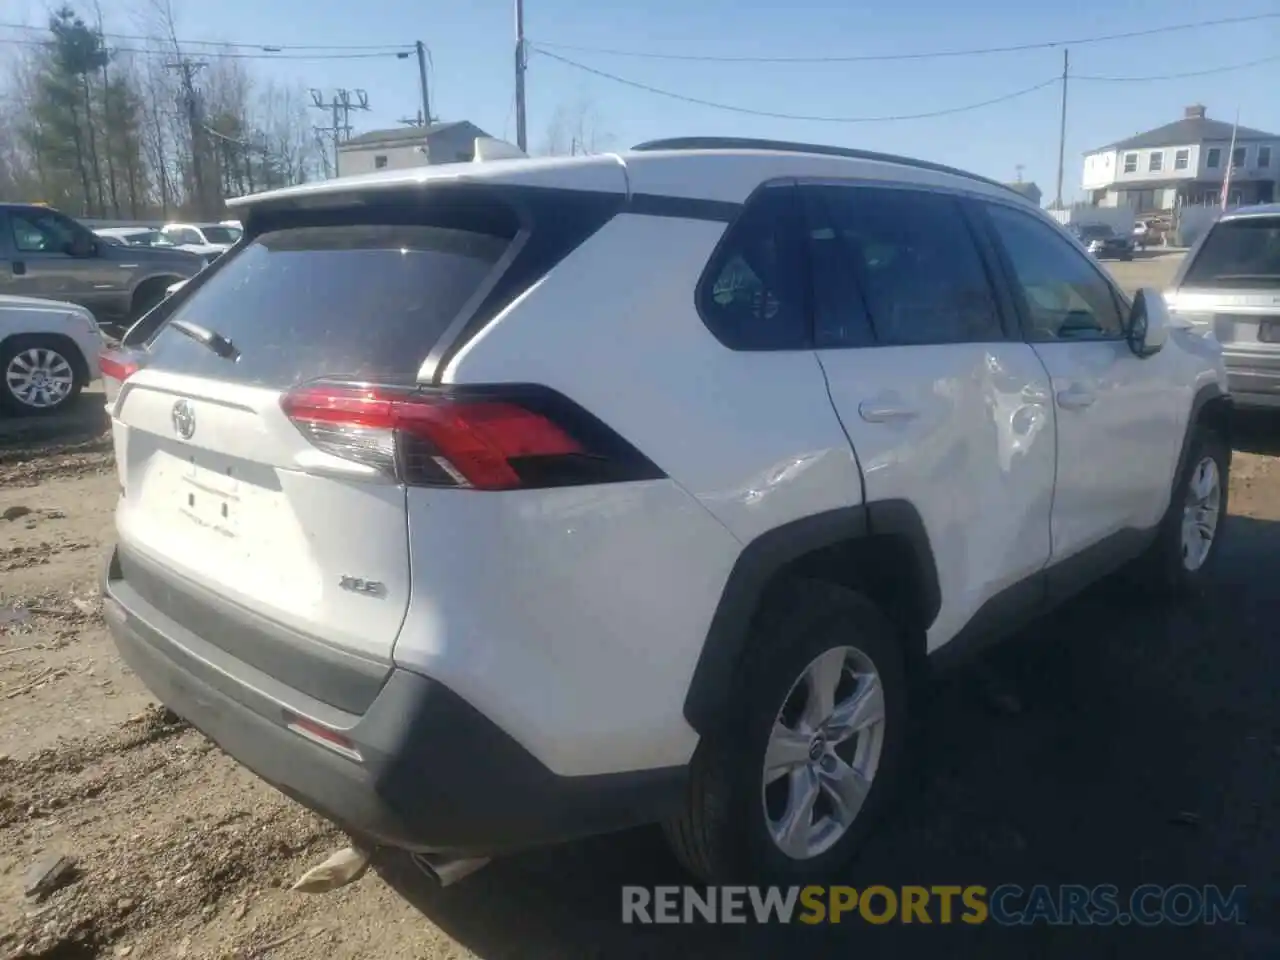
{"points": [[1201, 513], [39, 377], [823, 752]]}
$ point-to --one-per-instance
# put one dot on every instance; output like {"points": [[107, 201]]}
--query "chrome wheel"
{"points": [[823, 752], [1201, 513], [39, 377]]}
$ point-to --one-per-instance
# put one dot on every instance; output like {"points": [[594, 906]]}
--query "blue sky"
{"points": [[471, 44]]}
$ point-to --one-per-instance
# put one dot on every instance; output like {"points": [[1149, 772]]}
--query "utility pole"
{"points": [[340, 104], [1062, 128], [520, 68], [188, 68], [422, 81]]}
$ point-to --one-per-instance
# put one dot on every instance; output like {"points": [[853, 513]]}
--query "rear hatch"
{"points": [[1230, 285], [227, 504]]}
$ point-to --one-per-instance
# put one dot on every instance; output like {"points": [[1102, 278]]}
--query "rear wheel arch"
{"points": [[880, 549]]}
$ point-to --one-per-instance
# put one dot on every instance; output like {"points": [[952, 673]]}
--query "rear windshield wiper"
{"points": [[207, 338]]}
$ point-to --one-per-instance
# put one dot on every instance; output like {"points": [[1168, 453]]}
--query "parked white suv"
{"points": [[489, 505]]}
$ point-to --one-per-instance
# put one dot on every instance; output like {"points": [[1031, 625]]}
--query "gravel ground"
{"points": [[1136, 743]]}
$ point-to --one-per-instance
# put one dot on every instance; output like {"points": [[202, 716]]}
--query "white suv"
{"points": [[488, 505]]}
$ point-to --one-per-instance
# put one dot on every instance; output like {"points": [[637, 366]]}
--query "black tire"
{"points": [[722, 835], [1163, 569], [150, 293], [63, 348]]}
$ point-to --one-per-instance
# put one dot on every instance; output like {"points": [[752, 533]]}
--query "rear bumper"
{"points": [[430, 774], [1254, 380]]}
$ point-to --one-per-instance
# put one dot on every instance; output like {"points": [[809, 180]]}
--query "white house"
{"points": [[1183, 163], [450, 142]]}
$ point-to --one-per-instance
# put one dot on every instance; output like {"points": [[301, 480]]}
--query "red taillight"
{"points": [[485, 439], [117, 367]]}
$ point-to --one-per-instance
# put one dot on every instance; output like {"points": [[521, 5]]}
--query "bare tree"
{"points": [[282, 112], [576, 129], [105, 132]]}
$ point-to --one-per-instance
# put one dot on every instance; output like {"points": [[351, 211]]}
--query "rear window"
{"points": [[1238, 253], [359, 301]]}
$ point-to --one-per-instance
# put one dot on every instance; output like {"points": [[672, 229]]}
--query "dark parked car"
{"points": [[46, 254], [1103, 242]]}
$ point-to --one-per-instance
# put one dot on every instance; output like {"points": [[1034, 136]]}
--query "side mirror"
{"points": [[1148, 325]]}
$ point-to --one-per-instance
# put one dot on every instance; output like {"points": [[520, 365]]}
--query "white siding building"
{"points": [[1183, 163], [451, 142]]}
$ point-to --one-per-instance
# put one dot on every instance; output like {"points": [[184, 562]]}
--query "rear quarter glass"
{"points": [[359, 301]]}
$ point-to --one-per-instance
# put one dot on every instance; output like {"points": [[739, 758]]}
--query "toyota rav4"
{"points": [[489, 505]]}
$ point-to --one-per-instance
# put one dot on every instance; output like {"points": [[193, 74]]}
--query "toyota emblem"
{"points": [[184, 419]]}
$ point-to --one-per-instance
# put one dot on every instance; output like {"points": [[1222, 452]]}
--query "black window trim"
{"points": [[715, 261], [1010, 276], [1001, 297]]}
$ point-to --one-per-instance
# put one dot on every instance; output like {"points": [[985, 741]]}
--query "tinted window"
{"points": [[366, 302], [752, 296], [900, 264], [41, 232], [1238, 253], [1066, 297]]}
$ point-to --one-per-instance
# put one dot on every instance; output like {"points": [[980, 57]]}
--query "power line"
{"points": [[791, 116], [931, 55], [1178, 76], [269, 47], [404, 54], [635, 84]]}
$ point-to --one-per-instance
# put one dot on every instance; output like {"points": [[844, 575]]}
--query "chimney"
{"points": [[1194, 112]]}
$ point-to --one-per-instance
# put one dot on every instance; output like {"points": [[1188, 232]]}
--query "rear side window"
{"points": [[361, 301], [897, 268], [1238, 253], [752, 296]]}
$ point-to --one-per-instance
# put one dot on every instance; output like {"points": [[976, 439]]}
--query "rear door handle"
{"points": [[1075, 398], [884, 413]]}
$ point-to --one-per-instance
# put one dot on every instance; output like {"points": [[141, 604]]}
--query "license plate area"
{"points": [[209, 496]]}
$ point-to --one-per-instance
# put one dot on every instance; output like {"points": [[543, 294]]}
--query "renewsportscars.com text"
{"points": [[1004, 905]]}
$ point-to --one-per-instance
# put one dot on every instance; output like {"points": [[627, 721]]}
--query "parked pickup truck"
{"points": [[46, 254]]}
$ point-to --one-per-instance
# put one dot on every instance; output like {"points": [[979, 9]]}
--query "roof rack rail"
{"points": [[784, 146]]}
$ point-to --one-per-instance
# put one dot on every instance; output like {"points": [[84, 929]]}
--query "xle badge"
{"points": [[370, 588]]}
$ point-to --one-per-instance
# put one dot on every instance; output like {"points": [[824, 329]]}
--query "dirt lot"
{"points": [[1141, 744]]}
